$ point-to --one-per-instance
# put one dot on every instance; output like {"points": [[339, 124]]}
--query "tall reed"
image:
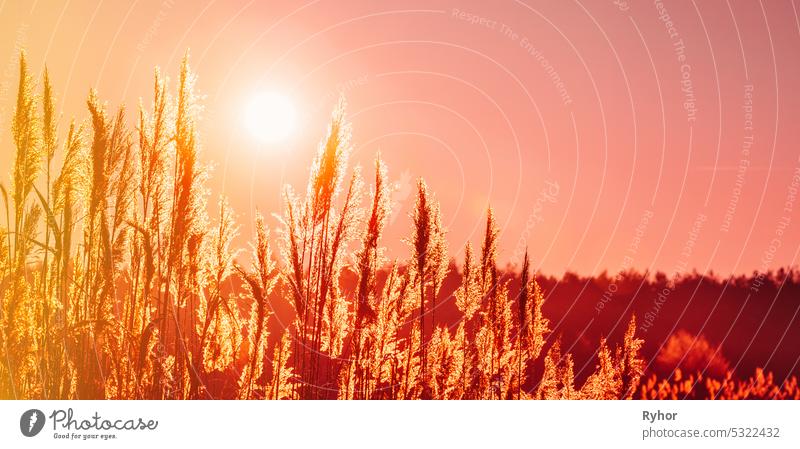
{"points": [[134, 292]]}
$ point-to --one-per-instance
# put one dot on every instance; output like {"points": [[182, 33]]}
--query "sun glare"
{"points": [[270, 117]]}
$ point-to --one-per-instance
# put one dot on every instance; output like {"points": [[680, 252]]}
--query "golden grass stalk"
{"points": [[259, 282], [133, 299], [428, 263]]}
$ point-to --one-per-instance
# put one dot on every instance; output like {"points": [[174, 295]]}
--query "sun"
{"points": [[270, 117]]}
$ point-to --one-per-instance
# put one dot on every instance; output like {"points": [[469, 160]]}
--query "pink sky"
{"points": [[490, 102]]}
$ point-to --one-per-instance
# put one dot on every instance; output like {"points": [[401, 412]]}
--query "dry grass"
{"points": [[698, 386], [127, 296]]}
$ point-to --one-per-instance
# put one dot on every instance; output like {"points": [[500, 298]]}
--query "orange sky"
{"points": [[605, 134]]}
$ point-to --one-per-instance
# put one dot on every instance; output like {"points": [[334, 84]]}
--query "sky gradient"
{"points": [[606, 135]]}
